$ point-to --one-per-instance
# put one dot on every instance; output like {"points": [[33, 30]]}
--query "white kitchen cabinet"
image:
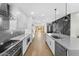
{"points": [[26, 43], [52, 46], [48, 41], [51, 43]]}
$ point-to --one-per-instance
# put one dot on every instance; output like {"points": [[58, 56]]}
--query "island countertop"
{"points": [[67, 42]]}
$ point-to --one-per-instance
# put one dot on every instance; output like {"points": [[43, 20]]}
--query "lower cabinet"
{"points": [[60, 50], [56, 48], [24, 45], [26, 42], [51, 44]]}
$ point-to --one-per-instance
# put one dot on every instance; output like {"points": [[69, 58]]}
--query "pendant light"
{"points": [[66, 9], [55, 12], [66, 17]]}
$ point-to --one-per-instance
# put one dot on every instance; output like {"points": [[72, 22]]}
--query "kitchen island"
{"points": [[70, 45]]}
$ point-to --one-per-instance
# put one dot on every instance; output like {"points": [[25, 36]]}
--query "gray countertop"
{"points": [[67, 42], [19, 38]]}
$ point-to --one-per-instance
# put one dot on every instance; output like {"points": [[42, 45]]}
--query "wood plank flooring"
{"points": [[38, 47]]}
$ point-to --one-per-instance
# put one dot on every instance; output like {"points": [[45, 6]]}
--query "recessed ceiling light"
{"points": [[32, 13]]}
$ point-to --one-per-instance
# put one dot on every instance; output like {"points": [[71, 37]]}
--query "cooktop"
{"points": [[7, 45]]}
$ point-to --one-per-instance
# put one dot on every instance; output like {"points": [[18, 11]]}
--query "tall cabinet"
{"points": [[4, 16]]}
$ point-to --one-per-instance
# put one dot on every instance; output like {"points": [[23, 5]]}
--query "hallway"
{"points": [[38, 47]]}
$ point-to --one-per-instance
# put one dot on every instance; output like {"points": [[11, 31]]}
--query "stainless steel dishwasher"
{"points": [[60, 50]]}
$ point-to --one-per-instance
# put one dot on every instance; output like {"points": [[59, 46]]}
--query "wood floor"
{"points": [[38, 47]]}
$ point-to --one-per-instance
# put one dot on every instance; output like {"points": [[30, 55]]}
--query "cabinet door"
{"points": [[48, 41], [24, 45], [53, 46], [3, 6], [4, 9]]}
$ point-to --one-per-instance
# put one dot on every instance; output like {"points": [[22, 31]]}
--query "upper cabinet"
{"points": [[4, 16], [4, 9]]}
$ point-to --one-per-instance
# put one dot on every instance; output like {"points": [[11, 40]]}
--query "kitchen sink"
{"points": [[56, 37], [7, 45]]}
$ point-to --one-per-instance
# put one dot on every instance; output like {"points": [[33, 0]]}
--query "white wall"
{"points": [[21, 22], [73, 7], [18, 20], [74, 24]]}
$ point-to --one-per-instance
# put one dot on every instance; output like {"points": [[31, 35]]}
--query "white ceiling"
{"points": [[46, 10]]}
